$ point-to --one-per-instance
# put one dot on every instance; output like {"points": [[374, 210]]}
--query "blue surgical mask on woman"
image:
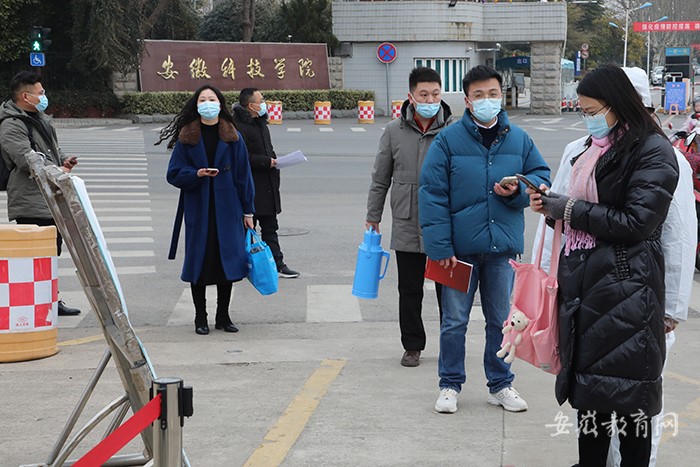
{"points": [[263, 108], [209, 110], [597, 125], [486, 110]]}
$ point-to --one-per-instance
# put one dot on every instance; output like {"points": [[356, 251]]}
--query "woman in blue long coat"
{"points": [[209, 164]]}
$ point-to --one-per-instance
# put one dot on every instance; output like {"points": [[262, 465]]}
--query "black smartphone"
{"points": [[529, 184]]}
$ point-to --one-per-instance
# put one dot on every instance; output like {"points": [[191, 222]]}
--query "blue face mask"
{"points": [[43, 102], [426, 110], [486, 110], [209, 110], [263, 108], [597, 125]]}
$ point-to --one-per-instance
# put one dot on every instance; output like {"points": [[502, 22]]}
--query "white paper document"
{"points": [[293, 158]]}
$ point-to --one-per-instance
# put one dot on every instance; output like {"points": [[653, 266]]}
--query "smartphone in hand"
{"points": [[510, 180], [212, 171], [529, 184]]}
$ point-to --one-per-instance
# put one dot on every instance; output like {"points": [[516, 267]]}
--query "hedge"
{"points": [[149, 103], [73, 103]]}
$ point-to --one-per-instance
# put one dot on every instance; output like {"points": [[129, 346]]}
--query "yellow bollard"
{"points": [[322, 113], [28, 292]]}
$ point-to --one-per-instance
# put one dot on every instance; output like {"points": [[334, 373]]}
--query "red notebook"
{"points": [[455, 278]]}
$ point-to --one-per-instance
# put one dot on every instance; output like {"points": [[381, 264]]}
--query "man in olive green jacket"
{"points": [[24, 127], [402, 149]]}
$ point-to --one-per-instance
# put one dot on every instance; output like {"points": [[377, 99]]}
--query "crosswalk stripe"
{"points": [[121, 270], [122, 240], [113, 174], [134, 187], [119, 201], [128, 128], [142, 194], [358, 129], [183, 312], [99, 209], [119, 254], [325, 129], [293, 130], [135, 228], [331, 304], [124, 218]]}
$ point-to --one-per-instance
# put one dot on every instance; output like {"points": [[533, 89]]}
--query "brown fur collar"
{"points": [[192, 132]]}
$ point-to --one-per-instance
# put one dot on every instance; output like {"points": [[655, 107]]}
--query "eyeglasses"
{"points": [[492, 95], [592, 114]]}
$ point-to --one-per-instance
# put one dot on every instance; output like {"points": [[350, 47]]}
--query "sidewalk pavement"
{"points": [[330, 394]]}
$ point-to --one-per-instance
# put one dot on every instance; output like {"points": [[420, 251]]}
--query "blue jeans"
{"points": [[493, 275]]}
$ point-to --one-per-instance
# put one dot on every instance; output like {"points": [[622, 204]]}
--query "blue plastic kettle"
{"points": [[369, 263]]}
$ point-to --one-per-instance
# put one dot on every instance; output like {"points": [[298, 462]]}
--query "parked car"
{"points": [[657, 76]]}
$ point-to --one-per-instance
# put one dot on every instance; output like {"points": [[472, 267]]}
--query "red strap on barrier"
{"points": [[122, 435]]}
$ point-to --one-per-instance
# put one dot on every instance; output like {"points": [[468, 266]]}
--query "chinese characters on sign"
{"points": [[617, 424], [667, 26], [168, 72], [187, 65], [198, 68]]}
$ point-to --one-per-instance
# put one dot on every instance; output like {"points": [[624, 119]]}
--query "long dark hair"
{"points": [[189, 114], [610, 84]]}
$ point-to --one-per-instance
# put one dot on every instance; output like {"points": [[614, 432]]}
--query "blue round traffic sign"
{"points": [[386, 52]]}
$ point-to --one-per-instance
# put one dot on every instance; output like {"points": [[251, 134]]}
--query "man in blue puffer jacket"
{"points": [[467, 215]]}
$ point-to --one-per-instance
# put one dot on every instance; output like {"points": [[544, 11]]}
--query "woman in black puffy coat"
{"points": [[611, 272]]}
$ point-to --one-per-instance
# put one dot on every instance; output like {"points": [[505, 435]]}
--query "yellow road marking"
{"points": [[285, 432], [81, 340]]}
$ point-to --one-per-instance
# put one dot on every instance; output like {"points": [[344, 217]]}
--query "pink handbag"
{"points": [[535, 295]]}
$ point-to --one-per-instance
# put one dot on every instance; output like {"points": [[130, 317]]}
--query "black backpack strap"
{"points": [[177, 226]]}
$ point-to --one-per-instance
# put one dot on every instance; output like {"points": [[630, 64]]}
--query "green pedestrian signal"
{"points": [[38, 38]]}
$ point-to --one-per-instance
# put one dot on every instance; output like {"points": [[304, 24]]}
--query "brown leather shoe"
{"points": [[411, 358]]}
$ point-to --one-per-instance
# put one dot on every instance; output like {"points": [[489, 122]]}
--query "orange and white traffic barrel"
{"points": [[396, 109], [28, 292], [365, 112], [322, 113], [274, 112]]}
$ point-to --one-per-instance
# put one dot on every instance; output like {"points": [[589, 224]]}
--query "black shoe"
{"points": [[287, 273], [202, 330], [64, 310], [230, 327]]}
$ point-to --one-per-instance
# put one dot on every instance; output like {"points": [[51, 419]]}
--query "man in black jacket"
{"points": [[250, 117]]}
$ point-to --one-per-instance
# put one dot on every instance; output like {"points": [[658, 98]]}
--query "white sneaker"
{"points": [[509, 399], [447, 401]]}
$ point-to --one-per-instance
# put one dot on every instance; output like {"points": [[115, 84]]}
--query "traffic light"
{"points": [[39, 39]]}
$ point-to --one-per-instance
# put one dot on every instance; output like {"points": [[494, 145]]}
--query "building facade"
{"points": [[450, 37]]}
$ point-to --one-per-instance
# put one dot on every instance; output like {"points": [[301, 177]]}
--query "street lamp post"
{"points": [[628, 11], [663, 18]]}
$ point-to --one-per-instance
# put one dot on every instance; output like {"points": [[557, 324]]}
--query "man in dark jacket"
{"points": [[24, 127], [402, 149], [250, 117], [466, 214]]}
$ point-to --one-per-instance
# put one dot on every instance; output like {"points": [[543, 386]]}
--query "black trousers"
{"points": [[594, 439], [223, 298], [411, 267], [268, 229], [43, 223]]}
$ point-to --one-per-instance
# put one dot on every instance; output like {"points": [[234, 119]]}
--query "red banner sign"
{"points": [[187, 65], [666, 26]]}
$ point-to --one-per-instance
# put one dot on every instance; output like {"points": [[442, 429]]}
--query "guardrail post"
{"points": [[176, 403]]}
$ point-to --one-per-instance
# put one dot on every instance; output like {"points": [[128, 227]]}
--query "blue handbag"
{"points": [[262, 270]]}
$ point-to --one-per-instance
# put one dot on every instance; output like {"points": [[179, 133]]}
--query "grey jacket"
{"points": [[402, 149], [23, 196]]}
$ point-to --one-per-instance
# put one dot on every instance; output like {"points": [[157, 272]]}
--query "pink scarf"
{"points": [[582, 185]]}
